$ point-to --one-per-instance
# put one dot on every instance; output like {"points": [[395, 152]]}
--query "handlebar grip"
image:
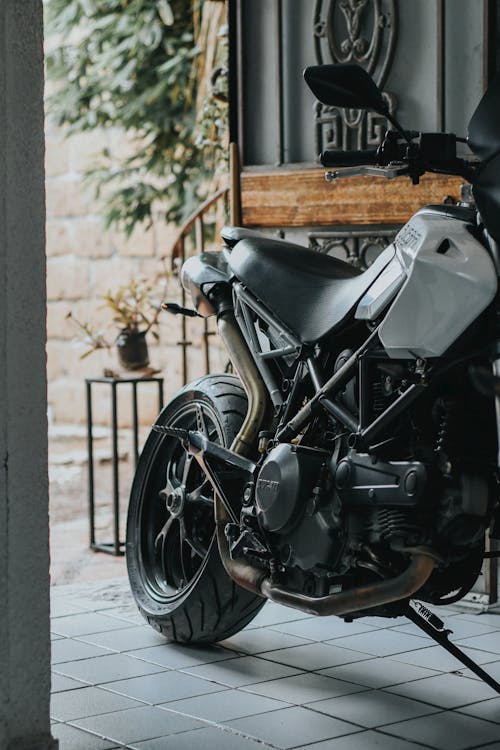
{"points": [[348, 158]]}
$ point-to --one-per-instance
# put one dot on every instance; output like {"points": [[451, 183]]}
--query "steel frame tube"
{"points": [[335, 383], [243, 317], [371, 432]]}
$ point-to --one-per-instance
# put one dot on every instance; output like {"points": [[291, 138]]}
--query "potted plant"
{"points": [[135, 309]]}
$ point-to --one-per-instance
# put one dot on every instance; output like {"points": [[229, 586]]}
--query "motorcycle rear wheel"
{"points": [[175, 572]]}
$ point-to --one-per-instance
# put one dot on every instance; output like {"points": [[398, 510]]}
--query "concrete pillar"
{"points": [[24, 553]]}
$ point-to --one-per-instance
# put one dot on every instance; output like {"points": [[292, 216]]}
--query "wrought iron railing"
{"points": [[191, 240]]}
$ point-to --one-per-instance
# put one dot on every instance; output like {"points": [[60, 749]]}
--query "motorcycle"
{"points": [[350, 467]]}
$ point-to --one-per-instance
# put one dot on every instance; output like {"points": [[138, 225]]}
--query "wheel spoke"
{"points": [[162, 534], [199, 495], [163, 562], [172, 484], [200, 421], [161, 539], [183, 539], [185, 471], [198, 549], [194, 545]]}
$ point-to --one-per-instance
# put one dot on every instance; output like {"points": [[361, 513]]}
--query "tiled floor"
{"points": [[286, 681]]}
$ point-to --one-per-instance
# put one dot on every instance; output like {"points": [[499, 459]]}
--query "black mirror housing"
{"points": [[345, 86]]}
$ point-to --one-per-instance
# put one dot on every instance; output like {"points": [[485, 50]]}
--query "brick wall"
{"points": [[84, 262]]}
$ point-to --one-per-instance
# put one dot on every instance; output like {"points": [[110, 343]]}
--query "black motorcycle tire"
{"points": [[208, 607]]}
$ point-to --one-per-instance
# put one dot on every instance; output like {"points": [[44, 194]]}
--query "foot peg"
{"points": [[174, 309]]}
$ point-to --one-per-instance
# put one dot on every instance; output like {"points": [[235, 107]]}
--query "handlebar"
{"points": [[409, 152], [349, 158]]}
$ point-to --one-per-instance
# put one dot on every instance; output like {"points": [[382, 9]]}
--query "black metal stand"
{"points": [[115, 547], [434, 627]]}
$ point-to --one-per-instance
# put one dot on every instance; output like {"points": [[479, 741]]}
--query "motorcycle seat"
{"points": [[232, 235], [311, 293]]}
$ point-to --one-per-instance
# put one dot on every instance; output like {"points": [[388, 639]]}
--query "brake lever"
{"points": [[389, 172]]}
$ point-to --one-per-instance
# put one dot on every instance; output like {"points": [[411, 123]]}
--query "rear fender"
{"points": [[200, 274]]}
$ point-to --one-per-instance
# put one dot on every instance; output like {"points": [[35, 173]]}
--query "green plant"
{"points": [[135, 307], [136, 64]]}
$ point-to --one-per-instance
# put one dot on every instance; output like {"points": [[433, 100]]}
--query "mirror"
{"points": [[345, 86]]}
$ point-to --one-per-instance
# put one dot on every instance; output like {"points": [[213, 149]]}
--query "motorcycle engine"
{"points": [[294, 505], [329, 516]]}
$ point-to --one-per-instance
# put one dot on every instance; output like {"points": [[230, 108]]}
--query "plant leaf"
{"points": [[165, 12]]}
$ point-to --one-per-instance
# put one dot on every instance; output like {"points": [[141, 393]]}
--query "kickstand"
{"points": [[435, 629]]}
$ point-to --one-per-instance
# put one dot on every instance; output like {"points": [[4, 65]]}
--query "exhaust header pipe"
{"points": [[255, 580], [361, 597], [244, 364]]}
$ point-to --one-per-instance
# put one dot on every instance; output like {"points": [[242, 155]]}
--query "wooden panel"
{"points": [[302, 198]]}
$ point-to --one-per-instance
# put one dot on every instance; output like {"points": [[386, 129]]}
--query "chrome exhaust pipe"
{"points": [[255, 580]]}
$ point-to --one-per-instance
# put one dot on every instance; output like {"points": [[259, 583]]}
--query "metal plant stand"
{"points": [[116, 547]]}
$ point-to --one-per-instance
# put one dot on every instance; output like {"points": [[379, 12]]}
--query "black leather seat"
{"points": [[232, 235], [310, 293]]}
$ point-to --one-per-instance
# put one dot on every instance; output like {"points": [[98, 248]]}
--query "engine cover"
{"points": [[292, 504], [362, 479], [285, 484]]}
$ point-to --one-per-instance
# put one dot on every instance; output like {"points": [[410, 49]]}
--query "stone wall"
{"points": [[84, 262]]}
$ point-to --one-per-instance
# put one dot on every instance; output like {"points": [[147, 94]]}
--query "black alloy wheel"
{"points": [[177, 530], [175, 571]]}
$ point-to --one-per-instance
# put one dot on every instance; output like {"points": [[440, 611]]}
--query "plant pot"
{"points": [[132, 349]]}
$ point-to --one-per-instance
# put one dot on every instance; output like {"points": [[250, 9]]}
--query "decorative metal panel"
{"points": [[359, 246], [363, 32]]}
